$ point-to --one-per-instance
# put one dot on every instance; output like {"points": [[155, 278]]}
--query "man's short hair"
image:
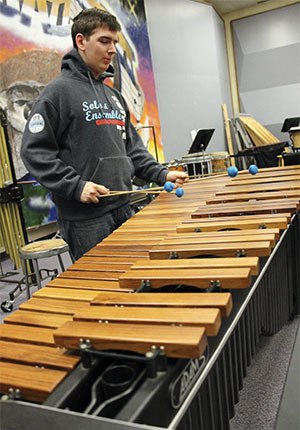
{"points": [[88, 20]]}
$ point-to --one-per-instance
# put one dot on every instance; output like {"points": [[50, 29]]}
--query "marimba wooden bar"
{"points": [[178, 296], [222, 301]]}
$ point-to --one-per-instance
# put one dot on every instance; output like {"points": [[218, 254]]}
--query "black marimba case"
{"points": [[291, 158], [265, 156]]}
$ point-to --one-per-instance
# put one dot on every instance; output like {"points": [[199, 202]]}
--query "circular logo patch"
{"points": [[37, 123]]}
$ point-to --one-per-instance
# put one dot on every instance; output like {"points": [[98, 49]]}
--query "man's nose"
{"points": [[112, 48]]}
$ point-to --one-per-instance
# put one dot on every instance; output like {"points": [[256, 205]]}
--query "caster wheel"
{"points": [[6, 306]]}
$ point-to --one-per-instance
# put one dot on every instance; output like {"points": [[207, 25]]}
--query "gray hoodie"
{"points": [[79, 130]]}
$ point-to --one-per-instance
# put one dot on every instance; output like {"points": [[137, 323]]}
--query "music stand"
{"points": [[290, 122], [196, 160], [201, 140], [292, 126]]}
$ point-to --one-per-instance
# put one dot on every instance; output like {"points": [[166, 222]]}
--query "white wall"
{"points": [[189, 59], [267, 49]]}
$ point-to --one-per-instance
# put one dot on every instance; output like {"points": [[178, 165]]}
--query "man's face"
{"points": [[98, 50]]}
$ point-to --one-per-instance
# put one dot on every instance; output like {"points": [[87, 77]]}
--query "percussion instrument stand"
{"points": [[203, 155], [154, 360]]}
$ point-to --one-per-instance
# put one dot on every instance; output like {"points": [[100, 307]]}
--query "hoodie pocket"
{"points": [[114, 173]]}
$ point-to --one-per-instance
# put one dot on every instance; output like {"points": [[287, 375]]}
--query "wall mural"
{"points": [[34, 35]]}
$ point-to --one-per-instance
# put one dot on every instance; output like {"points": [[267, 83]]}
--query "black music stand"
{"points": [[290, 122], [196, 157], [290, 125], [201, 141]]}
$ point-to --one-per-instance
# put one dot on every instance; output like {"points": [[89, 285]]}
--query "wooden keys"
{"points": [[57, 306], [175, 341], [233, 249], [199, 263], [200, 278], [37, 355], [222, 301], [270, 206], [40, 319], [280, 222], [165, 280], [23, 333], [210, 318], [73, 282], [34, 384]]}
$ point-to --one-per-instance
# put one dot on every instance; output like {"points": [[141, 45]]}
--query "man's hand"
{"points": [[177, 177], [91, 192]]}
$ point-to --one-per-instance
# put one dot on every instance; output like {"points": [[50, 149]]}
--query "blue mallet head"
{"points": [[253, 169], [232, 171], [169, 186], [179, 192]]}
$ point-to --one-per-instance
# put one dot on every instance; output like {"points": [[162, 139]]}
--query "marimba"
{"points": [[155, 326]]}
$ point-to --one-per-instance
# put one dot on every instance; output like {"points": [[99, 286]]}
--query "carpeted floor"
{"points": [[264, 384]]}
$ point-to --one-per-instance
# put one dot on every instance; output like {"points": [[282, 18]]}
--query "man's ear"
{"points": [[80, 41]]}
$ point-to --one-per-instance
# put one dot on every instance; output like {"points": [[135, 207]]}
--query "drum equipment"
{"points": [[175, 165], [295, 135], [198, 164], [220, 161], [154, 327]]}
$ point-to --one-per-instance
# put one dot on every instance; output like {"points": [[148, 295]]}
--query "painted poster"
{"points": [[34, 35]]}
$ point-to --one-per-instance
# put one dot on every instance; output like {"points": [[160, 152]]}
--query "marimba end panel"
{"points": [[222, 301], [177, 342], [35, 383]]}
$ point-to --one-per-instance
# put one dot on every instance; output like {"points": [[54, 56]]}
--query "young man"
{"points": [[79, 142]]}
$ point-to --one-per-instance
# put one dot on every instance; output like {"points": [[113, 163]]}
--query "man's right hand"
{"points": [[91, 192]]}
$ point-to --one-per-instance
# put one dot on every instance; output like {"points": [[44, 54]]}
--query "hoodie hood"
{"points": [[73, 63]]}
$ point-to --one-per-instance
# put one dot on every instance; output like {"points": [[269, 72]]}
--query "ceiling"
{"points": [[227, 6]]}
